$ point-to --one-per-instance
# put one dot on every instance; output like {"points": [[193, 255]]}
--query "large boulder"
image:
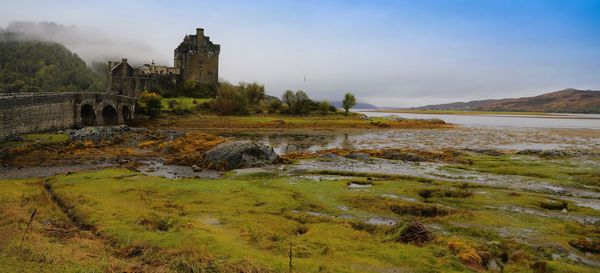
{"points": [[240, 154]]}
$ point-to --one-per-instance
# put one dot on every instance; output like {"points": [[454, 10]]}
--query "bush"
{"points": [[275, 106], [230, 101], [324, 107], [254, 92], [298, 103], [150, 104]]}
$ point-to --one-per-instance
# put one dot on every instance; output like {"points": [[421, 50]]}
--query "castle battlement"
{"points": [[197, 57]]}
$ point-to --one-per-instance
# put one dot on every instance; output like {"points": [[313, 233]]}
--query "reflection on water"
{"points": [[295, 142], [290, 141]]}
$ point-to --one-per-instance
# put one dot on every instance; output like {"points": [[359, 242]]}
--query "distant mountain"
{"points": [[360, 105], [564, 101]]}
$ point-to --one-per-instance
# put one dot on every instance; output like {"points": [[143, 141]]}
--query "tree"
{"points": [[348, 102], [230, 101], [255, 92], [302, 102], [150, 103], [288, 97], [44, 66]]}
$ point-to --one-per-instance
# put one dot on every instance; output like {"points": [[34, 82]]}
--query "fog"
{"points": [[89, 43]]}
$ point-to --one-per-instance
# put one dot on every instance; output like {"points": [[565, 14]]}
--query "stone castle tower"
{"points": [[198, 59]]}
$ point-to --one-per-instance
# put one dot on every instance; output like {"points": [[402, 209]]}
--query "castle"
{"points": [[196, 59]]}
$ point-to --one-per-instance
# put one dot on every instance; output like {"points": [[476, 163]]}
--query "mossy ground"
{"points": [[579, 171], [248, 223]]}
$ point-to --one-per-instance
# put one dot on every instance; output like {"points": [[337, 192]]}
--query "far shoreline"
{"points": [[486, 113]]}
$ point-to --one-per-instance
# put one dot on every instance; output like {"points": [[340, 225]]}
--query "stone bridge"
{"points": [[22, 113]]}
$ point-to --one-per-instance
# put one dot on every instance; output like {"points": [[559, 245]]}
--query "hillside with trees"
{"points": [[34, 66]]}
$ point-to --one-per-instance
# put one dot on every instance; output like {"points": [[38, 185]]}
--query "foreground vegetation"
{"points": [[117, 220]]}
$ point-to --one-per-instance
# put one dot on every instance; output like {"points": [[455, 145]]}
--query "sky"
{"points": [[388, 53]]}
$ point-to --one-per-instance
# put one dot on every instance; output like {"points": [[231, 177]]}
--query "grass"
{"points": [[37, 139], [247, 224], [274, 121]]}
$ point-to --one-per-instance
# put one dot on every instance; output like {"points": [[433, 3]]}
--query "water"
{"points": [[564, 121], [504, 138]]}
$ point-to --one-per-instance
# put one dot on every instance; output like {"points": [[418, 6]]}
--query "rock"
{"points": [[97, 133], [240, 154], [493, 266], [394, 155], [195, 168]]}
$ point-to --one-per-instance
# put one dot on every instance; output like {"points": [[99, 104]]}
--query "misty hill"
{"points": [[34, 66], [564, 101], [359, 105]]}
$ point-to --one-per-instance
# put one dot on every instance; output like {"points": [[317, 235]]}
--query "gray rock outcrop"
{"points": [[240, 154]]}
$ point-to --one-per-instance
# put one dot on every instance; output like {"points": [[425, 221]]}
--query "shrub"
{"points": [[275, 106], [324, 107], [298, 103], [150, 104], [230, 101], [254, 92]]}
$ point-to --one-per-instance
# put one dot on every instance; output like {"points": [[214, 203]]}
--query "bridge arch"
{"points": [[88, 115], [109, 115]]}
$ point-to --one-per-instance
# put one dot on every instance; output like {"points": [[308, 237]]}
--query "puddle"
{"points": [[156, 167], [211, 221], [353, 185], [395, 196], [380, 221], [46, 171], [248, 171], [562, 215]]}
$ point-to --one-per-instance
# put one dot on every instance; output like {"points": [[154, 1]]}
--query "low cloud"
{"points": [[89, 43]]}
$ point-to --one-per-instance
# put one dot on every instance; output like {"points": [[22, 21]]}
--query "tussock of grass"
{"points": [[429, 193], [410, 233], [553, 204]]}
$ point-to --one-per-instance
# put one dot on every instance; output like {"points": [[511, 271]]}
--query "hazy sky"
{"points": [[390, 53]]}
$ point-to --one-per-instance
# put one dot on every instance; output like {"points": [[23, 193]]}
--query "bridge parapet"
{"points": [[37, 112]]}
